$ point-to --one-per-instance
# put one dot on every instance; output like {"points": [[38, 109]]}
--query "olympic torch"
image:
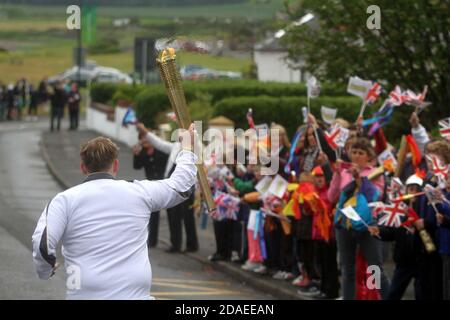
{"points": [[171, 77]]}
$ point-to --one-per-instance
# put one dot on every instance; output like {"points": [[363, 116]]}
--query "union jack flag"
{"points": [[435, 195], [439, 169], [397, 97], [444, 128], [227, 205], [377, 208], [412, 217], [417, 100], [395, 189], [373, 93], [393, 214], [337, 137]]}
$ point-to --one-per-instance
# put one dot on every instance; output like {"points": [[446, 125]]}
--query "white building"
{"points": [[272, 63]]}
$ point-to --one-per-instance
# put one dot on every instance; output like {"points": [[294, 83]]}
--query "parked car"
{"points": [[93, 73], [104, 74], [196, 72]]}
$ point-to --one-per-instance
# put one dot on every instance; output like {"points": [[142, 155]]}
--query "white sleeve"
{"points": [[420, 135], [160, 144], [162, 194], [48, 232]]}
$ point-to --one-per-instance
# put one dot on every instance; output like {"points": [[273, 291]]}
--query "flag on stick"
{"points": [[129, 117], [393, 214], [358, 87], [444, 128], [328, 114], [397, 97]]}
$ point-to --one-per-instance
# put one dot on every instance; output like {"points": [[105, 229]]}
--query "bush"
{"points": [[149, 103], [156, 96], [224, 88], [103, 92]]}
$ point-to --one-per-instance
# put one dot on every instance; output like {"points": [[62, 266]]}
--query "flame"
{"points": [[168, 53]]}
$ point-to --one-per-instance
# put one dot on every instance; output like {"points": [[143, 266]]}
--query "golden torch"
{"points": [[172, 79]]}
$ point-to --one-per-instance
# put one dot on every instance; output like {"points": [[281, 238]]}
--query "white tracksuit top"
{"points": [[102, 225]]}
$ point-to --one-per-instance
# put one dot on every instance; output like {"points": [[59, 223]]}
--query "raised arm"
{"points": [[178, 187], [419, 133], [48, 233], [157, 142]]}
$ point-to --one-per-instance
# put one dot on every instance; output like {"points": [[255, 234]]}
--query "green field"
{"points": [[255, 9], [34, 41]]}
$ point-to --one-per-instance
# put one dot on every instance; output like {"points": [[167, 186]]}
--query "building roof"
{"points": [[271, 44]]}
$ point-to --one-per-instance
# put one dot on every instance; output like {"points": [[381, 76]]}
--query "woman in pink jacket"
{"points": [[350, 186]]}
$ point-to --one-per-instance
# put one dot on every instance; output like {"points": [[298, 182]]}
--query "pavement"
{"points": [[25, 188]]}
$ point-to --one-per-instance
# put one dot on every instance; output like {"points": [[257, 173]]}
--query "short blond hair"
{"points": [[98, 154], [440, 147]]}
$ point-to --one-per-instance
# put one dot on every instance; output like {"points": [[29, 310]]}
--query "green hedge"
{"points": [[154, 99], [218, 89], [104, 92], [287, 111]]}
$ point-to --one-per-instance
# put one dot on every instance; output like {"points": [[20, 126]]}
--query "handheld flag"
{"points": [[129, 117], [395, 189], [397, 97], [337, 136], [417, 100], [411, 218], [373, 93], [227, 205], [358, 87], [444, 128], [305, 114], [328, 114], [439, 169], [350, 213], [393, 214], [377, 208], [313, 87], [313, 90]]}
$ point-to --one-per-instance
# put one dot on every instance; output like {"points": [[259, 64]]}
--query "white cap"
{"points": [[414, 179]]}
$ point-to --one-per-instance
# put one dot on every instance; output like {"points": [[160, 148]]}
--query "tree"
{"points": [[411, 49]]}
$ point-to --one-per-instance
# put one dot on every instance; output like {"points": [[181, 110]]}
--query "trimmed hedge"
{"points": [[104, 92], [287, 112], [153, 99], [218, 89]]}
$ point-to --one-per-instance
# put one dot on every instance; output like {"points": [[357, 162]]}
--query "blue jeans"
{"points": [[348, 242]]}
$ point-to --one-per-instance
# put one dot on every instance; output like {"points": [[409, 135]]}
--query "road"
{"points": [[25, 188]]}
